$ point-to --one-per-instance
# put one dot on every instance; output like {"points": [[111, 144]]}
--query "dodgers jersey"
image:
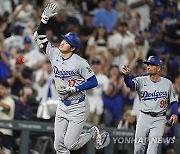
{"points": [[71, 72], [154, 96]]}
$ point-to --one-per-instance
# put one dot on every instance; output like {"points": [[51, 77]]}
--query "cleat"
{"points": [[96, 138], [100, 140]]}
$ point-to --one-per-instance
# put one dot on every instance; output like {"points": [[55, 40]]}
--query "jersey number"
{"points": [[162, 104], [71, 82]]}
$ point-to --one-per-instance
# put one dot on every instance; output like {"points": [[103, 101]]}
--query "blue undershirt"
{"points": [[174, 107], [129, 83], [90, 83]]}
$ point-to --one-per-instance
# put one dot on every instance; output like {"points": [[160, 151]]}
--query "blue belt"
{"points": [[68, 102]]}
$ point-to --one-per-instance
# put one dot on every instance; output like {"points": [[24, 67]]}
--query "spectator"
{"points": [[3, 26], [134, 23], [94, 95], [5, 6], [45, 79], [58, 25], [113, 100], [86, 31], [172, 37], [20, 77], [92, 5], [158, 8], [121, 45], [75, 9], [24, 110], [106, 16], [176, 86], [6, 26], [7, 107], [4, 63], [105, 62], [15, 40], [128, 120], [158, 46], [22, 106], [34, 58], [23, 12], [168, 18], [98, 42], [154, 21], [143, 8]]}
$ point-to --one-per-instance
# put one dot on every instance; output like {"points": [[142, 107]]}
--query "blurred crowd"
{"points": [[113, 33]]}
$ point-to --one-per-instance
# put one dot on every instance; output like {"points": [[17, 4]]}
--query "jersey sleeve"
{"points": [[172, 95], [137, 83], [51, 51], [85, 70]]}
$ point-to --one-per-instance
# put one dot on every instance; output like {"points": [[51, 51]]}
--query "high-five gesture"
{"points": [[48, 12], [125, 70]]}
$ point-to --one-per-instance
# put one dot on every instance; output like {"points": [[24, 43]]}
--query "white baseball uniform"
{"points": [[154, 97], [73, 108]]}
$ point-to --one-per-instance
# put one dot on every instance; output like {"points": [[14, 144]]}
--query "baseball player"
{"points": [[72, 75], [155, 93]]}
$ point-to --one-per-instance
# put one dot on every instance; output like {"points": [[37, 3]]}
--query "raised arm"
{"points": [[40, 34], [129, 83]]}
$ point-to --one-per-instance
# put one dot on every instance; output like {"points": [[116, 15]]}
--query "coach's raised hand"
{"points": [[125, 70], [48, 12]]}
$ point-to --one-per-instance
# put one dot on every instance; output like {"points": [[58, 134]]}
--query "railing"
{"points": [[31, 126]]}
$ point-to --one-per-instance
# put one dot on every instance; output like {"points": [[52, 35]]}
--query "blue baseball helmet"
{"points": [[154, 60], [73, 40]]}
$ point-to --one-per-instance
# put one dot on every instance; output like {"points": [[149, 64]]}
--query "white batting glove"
{"points": [[48, 12], [40, 39], [65, 90]]}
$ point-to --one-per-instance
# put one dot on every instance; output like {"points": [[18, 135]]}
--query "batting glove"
{"points": [[48, 12], [40, 39], [65, 90]]}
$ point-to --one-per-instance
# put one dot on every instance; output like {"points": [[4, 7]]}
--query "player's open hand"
{"points": [[173, 119], [49, 12], [125, 70]]}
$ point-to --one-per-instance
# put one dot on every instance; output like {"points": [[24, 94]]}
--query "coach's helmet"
{"points": [[73, 40], [154, 60]]}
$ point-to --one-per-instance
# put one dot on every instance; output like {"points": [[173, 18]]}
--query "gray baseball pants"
{"points": [[153, 127], [69, 123]]}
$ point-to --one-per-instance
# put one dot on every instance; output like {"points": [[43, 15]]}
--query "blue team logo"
{"points": [[62, 74], [145, 95]]}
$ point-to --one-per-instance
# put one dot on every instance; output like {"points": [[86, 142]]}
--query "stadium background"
{"points": [[113, 33]]}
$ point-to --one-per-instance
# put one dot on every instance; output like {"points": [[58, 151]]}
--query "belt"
{"points": [[68, 102], [154, 114]]}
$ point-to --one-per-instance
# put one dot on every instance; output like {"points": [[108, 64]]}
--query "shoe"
{"points": [[96, 138], [100, 140]]}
